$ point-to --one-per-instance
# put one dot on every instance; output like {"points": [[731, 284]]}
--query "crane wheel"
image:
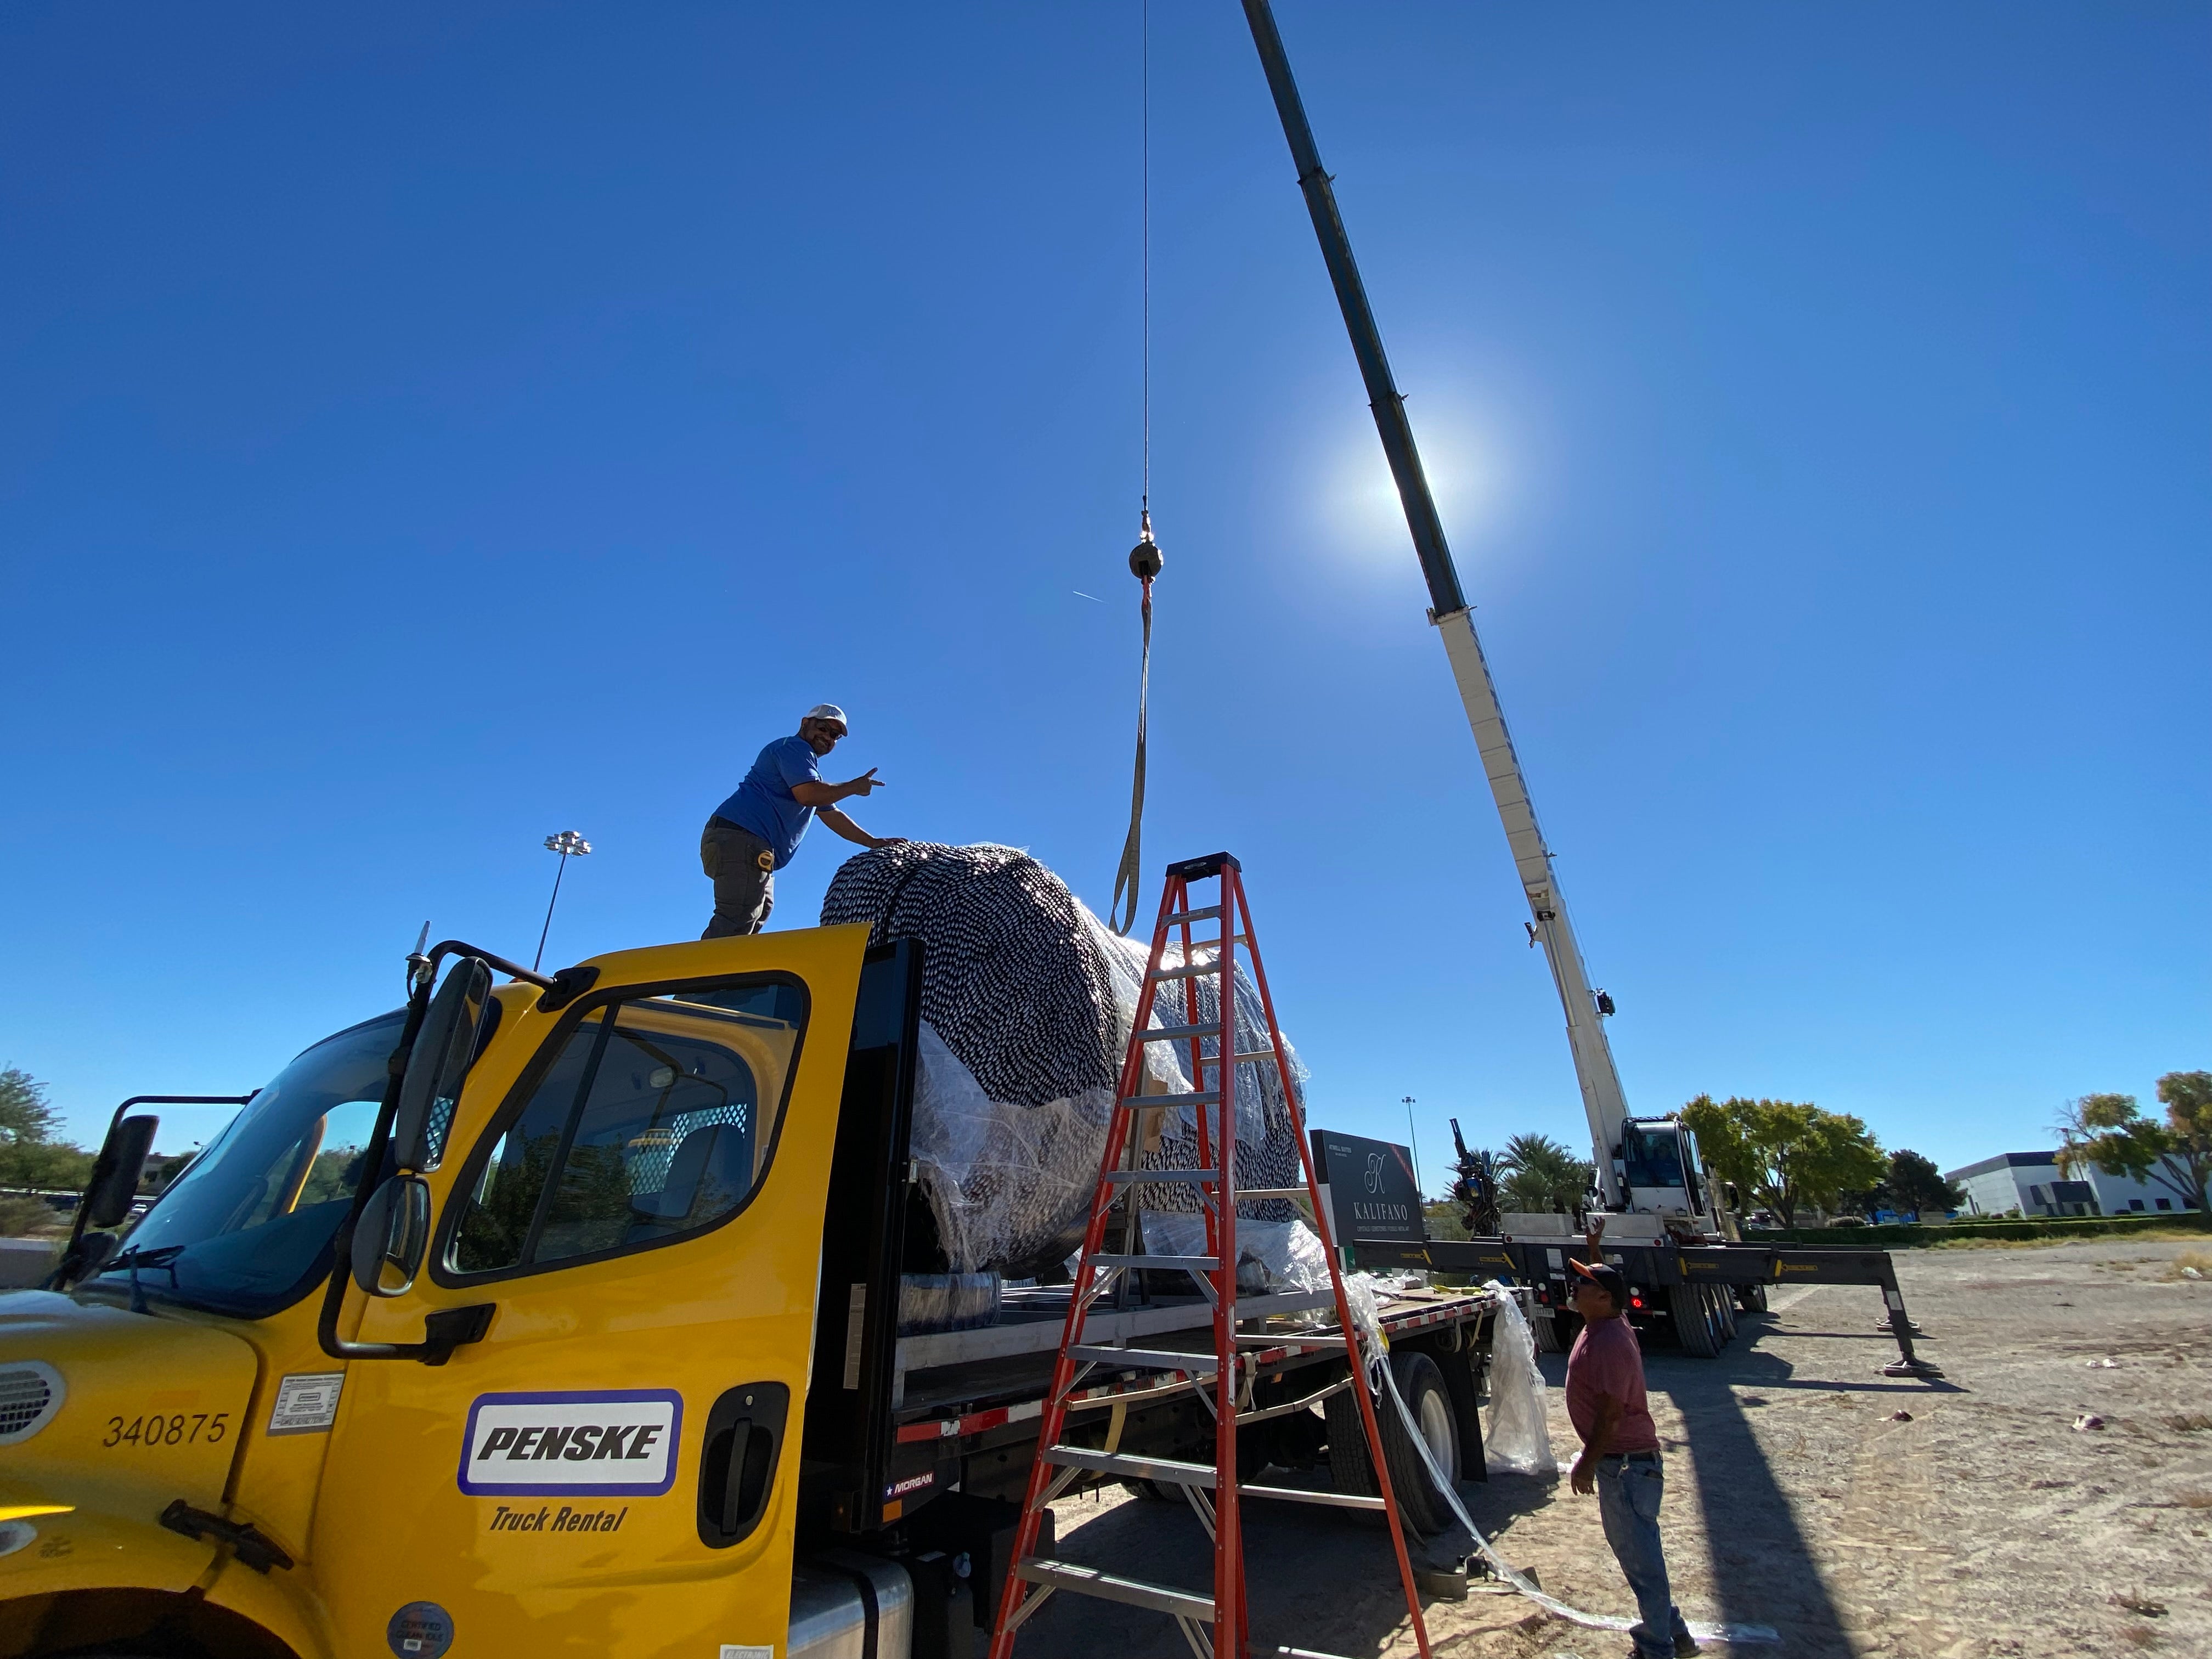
{"points": [[1695, 1327]]}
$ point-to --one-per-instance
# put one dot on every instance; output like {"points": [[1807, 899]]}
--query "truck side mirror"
{"points": [[116, 1172], [437, 1064], [393, 1235]]}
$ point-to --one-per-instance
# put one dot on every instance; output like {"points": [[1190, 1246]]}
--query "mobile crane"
{"points": [[1653, 1200]]}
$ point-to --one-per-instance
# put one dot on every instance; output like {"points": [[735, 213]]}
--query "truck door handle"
{"points": [[738, 1458]]}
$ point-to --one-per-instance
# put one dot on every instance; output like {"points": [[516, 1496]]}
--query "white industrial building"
{"points": [[2034, 1184]]}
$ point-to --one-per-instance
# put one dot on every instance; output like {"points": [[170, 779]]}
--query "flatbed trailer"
{"points": [[1693, 1287]]}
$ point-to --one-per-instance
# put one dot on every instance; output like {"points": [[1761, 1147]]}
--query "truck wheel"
{"points": [[1421, 1384], [1694, 1320], [1556, 1332], [1724, 1310], [1752, 1298]]}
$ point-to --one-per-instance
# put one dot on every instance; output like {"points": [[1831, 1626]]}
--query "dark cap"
{"points": [[1605, 1276]]}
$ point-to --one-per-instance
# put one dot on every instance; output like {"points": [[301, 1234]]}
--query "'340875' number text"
{"points": [[159, 1431]]}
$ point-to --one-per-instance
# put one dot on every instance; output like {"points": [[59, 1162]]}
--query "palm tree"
{"points": [[1541, 1174]]}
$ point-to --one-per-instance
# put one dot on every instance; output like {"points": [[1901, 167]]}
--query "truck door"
{"points": [[636, 1184]]}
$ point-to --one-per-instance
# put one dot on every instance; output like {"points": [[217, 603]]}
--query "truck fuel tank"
{"points": [[846, 1605]]}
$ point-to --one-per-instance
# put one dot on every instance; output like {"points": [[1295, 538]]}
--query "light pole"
{"points": [[569, 844], [1415, 1140]]}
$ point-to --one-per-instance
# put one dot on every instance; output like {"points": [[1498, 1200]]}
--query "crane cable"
{"points": [[1145, 558]]}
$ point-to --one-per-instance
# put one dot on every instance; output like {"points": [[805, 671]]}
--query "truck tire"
{"points": [[1545, 1326], [1752, 1298], [1422, 1508], [1724, 1311], [1693, 1321]]}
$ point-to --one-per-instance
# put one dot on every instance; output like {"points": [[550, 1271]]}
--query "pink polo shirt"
{"points": [[1607, 1361]]}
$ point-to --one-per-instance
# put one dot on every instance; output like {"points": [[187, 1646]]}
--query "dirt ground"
{"points": [[1798, 1498]]}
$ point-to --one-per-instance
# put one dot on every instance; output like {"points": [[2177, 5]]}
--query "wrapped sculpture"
{"points": [[1026, 1004]]}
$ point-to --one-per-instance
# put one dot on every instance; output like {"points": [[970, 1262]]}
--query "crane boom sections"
{"points": [[1603, 1099]]}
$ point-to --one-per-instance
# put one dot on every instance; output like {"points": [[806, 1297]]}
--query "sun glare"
{"points": [[1366, 518]]}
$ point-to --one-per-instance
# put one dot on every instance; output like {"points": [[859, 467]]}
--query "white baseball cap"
{"points": [[828, 711]]}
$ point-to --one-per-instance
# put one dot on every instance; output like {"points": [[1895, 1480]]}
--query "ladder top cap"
{"points": [[1199, 869]]}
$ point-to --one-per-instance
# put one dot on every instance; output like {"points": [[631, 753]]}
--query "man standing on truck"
{"points": [[1620, 1452], [752, 835]]}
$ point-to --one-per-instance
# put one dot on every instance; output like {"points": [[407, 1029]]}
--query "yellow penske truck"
{"points": [[562, 1315]]}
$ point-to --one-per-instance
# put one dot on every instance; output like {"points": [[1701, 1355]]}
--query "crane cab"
{"points": [[1660, 1173]]}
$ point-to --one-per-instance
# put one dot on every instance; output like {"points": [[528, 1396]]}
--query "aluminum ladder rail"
{"points": [[1215, 1626]]}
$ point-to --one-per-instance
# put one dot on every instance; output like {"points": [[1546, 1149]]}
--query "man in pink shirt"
{"points": [[1620, 1454]]}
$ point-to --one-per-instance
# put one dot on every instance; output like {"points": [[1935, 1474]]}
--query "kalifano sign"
{"points": [[1371, 1190]]}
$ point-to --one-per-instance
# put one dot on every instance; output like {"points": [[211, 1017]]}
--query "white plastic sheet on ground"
{"points": [[1517, 1440]]}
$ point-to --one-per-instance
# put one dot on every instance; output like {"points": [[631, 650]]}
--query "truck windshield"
{"points": [[1653, 1155], [252, 1219]]}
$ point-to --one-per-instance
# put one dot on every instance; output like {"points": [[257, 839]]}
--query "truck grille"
{"points": [[30, 1393]]}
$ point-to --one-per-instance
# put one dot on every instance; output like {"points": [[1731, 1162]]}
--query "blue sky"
{"points": [[425, 429]]}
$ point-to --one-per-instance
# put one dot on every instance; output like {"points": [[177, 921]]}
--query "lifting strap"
{"points": [[1144, 564]]}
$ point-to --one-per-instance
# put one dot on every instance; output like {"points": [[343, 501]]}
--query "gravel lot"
{"points": [[1985, 1524]]}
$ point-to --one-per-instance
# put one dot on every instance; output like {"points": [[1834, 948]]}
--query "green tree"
{"points": [[25, 1115], [29, 1154], [1786, 1154], [2110, 1132], [1917, 1185], [1538, 1172], [2187, 1098]]}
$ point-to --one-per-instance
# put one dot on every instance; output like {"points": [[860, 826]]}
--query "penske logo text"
{"points": [[611, 1443]]}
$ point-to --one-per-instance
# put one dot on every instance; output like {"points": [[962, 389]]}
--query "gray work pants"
{"points": [[742, 866]]}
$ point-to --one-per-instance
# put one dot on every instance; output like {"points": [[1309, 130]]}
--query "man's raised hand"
{"points": [[865, 784]]}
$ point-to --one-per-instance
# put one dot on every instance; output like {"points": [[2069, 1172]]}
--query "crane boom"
{"points": [[1453, 618]]}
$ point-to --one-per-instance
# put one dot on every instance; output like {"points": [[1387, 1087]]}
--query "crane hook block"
{"points": [[1145, 559]]}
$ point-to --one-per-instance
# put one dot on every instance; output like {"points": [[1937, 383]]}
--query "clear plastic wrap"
{"points": [[1272, 1257], [933, 1302], [1517, 1439]]}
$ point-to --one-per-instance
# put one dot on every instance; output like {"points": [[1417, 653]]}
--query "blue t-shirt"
{"points": [[763, 802]]}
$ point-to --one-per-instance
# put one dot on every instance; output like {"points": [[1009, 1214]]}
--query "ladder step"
{"points": [[1296, 1339], [1198, 971], [1177, 1033], [1182, 916], [1131, 1469], [1190, 1264], [1152, 1359], [1253, 1194], [1089, 1581], [1335, 1500], [1242, 1057], [1185, 1178], [1157, 1103]]}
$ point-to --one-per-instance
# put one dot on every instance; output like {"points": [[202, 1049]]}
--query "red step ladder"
{"points": [[1216, 1627]]}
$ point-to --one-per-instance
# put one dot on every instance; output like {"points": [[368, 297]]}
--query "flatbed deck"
{"points": [[945, 1380]]}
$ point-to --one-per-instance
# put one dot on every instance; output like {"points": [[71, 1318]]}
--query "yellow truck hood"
{"points": [[111, 1412]]}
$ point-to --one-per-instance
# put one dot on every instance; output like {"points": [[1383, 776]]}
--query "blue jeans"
{"points": [[1628, 1495]]}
